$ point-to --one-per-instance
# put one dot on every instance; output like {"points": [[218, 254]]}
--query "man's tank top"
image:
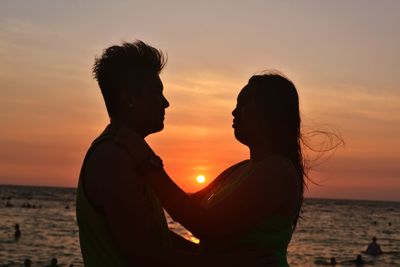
{"points": [[97, 244]]}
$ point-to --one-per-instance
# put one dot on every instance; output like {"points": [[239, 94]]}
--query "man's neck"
{"points": [[118, 124]]}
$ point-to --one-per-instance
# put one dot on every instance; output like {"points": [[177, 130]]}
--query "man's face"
{"points": [[150, 106]]}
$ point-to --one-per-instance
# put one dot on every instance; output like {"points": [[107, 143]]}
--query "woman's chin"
{"points": [[239, 137]]}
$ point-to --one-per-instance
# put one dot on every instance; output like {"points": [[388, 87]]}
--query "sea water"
{"points": [[328, 228]]}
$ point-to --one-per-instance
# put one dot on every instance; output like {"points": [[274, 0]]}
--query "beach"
{"points": [[328, 228]]}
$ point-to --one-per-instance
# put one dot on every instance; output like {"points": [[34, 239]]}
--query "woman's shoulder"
{"points": [[276, 170], [237, 165], [220, 178], [232, 169], [277, 177], [275, 162]]}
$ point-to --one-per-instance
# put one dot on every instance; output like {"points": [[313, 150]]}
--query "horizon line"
{"points": [[313, 198]]}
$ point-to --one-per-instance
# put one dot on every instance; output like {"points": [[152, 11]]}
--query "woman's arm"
{"points": [[266, 189]]}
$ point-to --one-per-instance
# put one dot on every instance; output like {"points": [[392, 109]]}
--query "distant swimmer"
{"points": [[53, 262], [17, 233], [323, 262], [374, 248], [359, 261], [27, 263]]}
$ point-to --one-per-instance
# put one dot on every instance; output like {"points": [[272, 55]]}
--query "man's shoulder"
{"points": [[108, 167], [109, 160], [108, 151]]}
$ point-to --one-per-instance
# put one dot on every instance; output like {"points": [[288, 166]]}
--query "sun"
{"points": [[200, 179]]}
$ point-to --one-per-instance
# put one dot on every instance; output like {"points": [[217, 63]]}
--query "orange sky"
{"points": [[343, 60]]}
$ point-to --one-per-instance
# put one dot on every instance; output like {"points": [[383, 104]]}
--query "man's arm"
{"points": [[114, 186]]}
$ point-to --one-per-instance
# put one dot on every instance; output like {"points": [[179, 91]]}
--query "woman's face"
{"points": [[245, 123]]}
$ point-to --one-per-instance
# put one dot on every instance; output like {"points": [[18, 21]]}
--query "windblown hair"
{"points": [[277, 101], [127, 65]]}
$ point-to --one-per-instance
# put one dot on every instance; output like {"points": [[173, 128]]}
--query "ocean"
{"points": [[328, 228]]}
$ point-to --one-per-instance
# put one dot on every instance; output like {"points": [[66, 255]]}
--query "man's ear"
{"points": [[126, 101]]}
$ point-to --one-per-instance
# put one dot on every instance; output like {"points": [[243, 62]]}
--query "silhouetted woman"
{"points": [[256, 202]]}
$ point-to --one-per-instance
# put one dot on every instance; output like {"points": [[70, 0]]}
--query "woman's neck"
{"points": [[259, 152]]}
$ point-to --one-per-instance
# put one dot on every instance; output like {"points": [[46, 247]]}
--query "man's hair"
{"points": [[128, 64]]}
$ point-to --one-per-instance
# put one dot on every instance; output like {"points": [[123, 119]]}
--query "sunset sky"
{"points": [[343, 56]]}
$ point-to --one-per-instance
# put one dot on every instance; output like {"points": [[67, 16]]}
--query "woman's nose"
{"points": [[166, 103], [234, 112]]}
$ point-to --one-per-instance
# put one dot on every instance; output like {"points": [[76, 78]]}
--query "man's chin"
{"points": [[157, 129]]}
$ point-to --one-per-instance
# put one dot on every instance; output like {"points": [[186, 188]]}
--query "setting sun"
{"points": [[201, 179]]}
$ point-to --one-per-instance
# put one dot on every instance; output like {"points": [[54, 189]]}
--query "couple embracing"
{"points": [[245, 217]]}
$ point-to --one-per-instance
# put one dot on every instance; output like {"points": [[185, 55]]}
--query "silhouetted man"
{"points": [[121, 222]]}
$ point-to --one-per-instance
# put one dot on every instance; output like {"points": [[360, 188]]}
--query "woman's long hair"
{"points": [[277, 101]]}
